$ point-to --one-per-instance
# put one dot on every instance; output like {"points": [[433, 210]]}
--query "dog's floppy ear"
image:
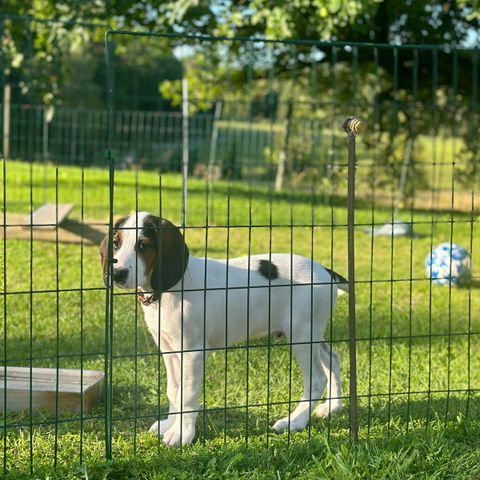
{"points": [[172, 253], [104, 244]]}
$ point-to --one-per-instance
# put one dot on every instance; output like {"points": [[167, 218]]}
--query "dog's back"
{"points": [[260, 294]]}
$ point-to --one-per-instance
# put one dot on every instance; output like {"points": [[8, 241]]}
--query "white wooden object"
{"points": [[46, 216], [44, 389]]}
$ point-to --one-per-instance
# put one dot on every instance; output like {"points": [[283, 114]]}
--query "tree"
{"points": [[214, 72]]}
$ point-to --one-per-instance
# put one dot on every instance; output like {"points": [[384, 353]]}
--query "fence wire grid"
{"points": [[275, 173]]}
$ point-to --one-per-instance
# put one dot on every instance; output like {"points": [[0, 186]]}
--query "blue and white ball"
{"points": [[448, 264]]}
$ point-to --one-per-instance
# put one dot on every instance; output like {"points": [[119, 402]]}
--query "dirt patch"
{"points": [[438, 201]]}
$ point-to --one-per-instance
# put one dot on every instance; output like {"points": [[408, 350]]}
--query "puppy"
{"points": [[193, 305]]}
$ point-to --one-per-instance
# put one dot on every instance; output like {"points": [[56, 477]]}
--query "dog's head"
{"points": [[148, 252]]}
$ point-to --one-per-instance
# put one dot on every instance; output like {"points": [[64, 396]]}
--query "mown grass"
{"points": [[418, 361]]}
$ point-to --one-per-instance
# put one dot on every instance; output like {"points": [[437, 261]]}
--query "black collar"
{"points": [[147, 300]]}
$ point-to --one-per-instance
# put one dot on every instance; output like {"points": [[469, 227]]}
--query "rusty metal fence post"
{"points": [[352, 126]]}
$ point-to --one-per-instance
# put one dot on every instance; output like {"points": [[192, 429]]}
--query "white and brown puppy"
{"points": [[193, 305]]}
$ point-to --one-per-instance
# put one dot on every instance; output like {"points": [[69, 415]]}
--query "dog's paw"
{"points": [[172, 437], [328, 408], [159, 428], [282, 425]]}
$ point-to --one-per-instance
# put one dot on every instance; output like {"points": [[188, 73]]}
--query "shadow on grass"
{"points": [[262, 192], [223, 436], [88, 232], [474, 285], [238, 421]]}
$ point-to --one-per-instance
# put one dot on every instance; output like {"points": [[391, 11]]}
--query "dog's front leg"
{"points": [[172, 367], [182, 432]]}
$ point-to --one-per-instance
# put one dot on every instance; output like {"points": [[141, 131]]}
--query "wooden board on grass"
{"points": [[46, 215], [44, 387], [90, 232]]}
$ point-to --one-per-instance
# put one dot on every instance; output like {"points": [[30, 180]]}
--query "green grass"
{"points": [[403, 435]]}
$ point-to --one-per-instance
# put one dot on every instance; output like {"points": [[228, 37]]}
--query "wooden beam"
{"points": [[42, 382], [46, 215]]}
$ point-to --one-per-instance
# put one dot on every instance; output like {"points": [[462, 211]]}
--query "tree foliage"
{"points": [[81, 24], [56, 57]]}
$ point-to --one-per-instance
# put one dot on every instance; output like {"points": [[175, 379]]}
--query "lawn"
{"points": [[418, 344]]}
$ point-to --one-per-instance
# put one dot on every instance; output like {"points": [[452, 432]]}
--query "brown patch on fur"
{"points": [[117, 236], [104, 253], [149, 254], [117, 239]]}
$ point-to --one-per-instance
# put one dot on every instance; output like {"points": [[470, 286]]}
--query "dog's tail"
{"points": [[341, 282]]}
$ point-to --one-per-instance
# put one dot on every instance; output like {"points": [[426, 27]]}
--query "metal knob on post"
{"points": [[352, 126]]}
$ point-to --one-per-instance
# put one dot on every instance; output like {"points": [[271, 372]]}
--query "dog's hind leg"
{"points": [[314, 382], [331, 364]]}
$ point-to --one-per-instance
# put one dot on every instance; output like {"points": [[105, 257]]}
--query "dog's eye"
{"points": [[115, 244], [142, 246]]}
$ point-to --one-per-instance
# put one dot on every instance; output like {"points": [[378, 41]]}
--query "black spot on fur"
{"points": [[268, 269], [337, 278]]}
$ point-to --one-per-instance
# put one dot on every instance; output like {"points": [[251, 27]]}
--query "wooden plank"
{"points": [[90, 232], [46, 216], [43, 385]]}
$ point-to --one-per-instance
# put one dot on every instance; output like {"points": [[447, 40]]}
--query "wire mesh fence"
{"points": [[266, 322], [147, 139]]}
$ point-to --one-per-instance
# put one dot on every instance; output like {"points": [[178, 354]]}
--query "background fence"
{"points": [[279, 107], [274, 175]]}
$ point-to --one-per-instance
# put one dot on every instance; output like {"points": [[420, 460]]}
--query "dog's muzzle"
{"points": [[120, 276]]}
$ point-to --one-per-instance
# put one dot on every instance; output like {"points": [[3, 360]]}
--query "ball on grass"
{"points": [[448, 264]]}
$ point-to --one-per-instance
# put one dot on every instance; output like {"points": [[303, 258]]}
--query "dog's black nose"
{"points": [[120, 274]]}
